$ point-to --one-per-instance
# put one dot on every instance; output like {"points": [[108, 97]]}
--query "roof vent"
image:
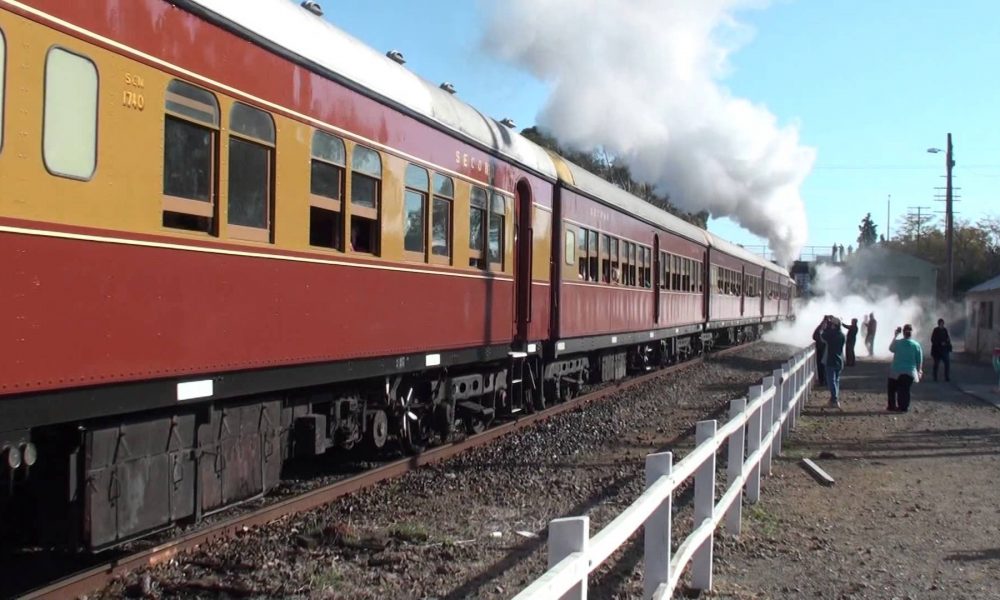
{"points": [[396, 55], [313, 7], [508, 123], [448, 87]]}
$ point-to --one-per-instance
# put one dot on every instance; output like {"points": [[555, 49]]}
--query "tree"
{"points": [[976, 249], [605, 166], [869, 232]]}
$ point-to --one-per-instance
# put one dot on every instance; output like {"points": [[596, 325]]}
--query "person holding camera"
{"points": [[941, 350], [820, 351], [906, 368], [833, 339]]}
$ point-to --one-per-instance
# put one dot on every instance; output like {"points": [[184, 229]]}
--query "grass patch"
{"points": [[327, 578], [765, 522], [410, 532]]}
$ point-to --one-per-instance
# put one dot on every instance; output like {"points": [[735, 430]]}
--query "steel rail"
{"points": [[96, 578]]}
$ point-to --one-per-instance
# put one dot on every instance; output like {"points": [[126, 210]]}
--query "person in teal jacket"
{"points": [[906, 368]]}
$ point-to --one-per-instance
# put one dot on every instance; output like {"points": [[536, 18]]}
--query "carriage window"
{"points": [[592, 256], [661, 271], [583, 254], [616, 273], [415, 209], [605, 258], [496, 241], [569, 248], [366, 187], [647, 269], [477, 228], [189, 137], [69, 133], [444, 195], [3, 81], [625, 263], [251, 152], [326, 189]]}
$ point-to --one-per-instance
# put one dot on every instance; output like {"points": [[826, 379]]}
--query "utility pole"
{"points": [[950, 163]]}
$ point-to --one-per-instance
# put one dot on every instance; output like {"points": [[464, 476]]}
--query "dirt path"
{"points": [[914, 513]]}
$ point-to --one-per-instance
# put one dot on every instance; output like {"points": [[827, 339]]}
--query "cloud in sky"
{"points": [[643, 80]]}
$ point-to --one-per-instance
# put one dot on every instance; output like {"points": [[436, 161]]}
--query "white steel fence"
{"points": [[754, 431]]}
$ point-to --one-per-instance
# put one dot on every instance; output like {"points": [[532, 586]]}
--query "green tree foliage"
{"points": [[976, 248], [606, 167], [869, 232]]}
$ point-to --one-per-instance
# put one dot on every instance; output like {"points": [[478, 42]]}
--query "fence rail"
{"points": [[756, 427]]}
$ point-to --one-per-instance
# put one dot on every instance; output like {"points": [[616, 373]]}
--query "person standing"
{"points": [[906, 368], [870, 335], [852, 338], [834, 339], [941, 350], [820, 351]]}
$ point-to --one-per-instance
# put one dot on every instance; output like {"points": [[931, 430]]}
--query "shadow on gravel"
{"points": [[974, 555]]}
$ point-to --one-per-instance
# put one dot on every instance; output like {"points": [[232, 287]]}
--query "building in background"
{"points": [[902, 274], [982, 310]]}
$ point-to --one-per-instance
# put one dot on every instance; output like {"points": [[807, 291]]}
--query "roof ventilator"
{"points": [[396, 56], [313, 7], [508, 123], [448, 87]]}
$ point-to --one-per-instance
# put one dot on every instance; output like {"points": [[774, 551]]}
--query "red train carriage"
{"points": [[231, 234], [196, 255], [628, 288]]}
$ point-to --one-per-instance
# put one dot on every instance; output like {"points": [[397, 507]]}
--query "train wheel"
{"points": [[409, 429], [378, 430]]}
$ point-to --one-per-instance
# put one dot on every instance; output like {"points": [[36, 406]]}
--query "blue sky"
{"points": [[871, 85]]}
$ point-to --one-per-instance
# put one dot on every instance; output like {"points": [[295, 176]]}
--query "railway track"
{"points": [[97, 577]]}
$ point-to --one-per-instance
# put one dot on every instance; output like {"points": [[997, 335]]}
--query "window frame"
{"points": [[477, 255], [321, 202], [424, 195], [45, 96], [569, 246], [493, 214], [372, 214], [3, 87], [604, 245], [436, 196], [248, 232], [171, 203]]}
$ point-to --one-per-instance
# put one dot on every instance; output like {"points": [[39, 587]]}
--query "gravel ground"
{"points": [[473, 527], [913, 513]]}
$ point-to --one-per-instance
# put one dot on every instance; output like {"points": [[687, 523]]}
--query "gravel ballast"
{"points": [[475, 526]]}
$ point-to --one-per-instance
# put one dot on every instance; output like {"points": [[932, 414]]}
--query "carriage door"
{"points": [[656, 278], [522, 263]]}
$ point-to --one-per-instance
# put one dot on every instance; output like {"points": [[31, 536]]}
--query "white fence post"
{"points": [[704, 508], [776, 407], [657, 528], [734, 466], [767, 419], [788, 375], [753, 444], [567, 536]]}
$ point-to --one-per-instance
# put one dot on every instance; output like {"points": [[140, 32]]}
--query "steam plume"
{"points": [[641, 79], [846, 298]]}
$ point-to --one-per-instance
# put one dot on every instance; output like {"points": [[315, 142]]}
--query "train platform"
{"points": [[915, 508]]}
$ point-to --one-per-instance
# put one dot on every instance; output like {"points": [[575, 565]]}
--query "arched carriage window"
{"points": [[189, 146], [366, 194], [326, 191], [251, 155]]}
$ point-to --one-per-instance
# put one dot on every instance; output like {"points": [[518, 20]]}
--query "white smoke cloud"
{"points": [[838, 295], [641, 78]]}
